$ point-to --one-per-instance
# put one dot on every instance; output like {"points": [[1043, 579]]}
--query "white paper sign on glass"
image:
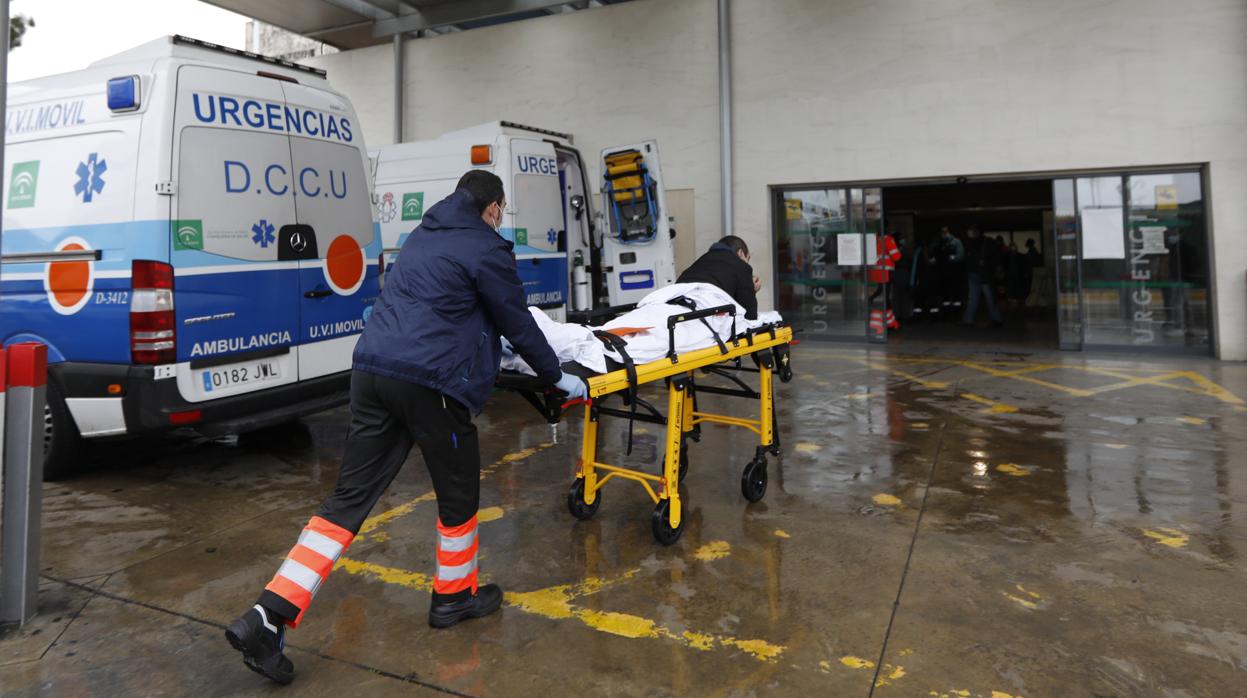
{"points": [[849, 249], [1103, 236]]}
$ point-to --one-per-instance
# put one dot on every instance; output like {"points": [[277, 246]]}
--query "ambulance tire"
{"points": [[62, 445]]}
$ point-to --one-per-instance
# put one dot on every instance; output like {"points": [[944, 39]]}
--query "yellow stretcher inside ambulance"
{"points": [[672, 335]]}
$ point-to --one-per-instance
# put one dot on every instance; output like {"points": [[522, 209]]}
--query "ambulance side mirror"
{"points": [[578, 205]]}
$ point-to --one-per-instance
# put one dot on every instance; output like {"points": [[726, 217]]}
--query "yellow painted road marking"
{"points": [[1013, 469], [1078, 392], [1201, 385], [889, 674], [555, 603], [1032, 602], [713, 551], [884, 499], [934, 385], [808, 447], [857, 662], [825, 666], [374, 522], [490, 514], [1194, 421], [992, 405], [779, 533], [1168, 536]]}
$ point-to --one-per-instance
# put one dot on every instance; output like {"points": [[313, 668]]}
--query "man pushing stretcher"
{"points": [[425, 363]]}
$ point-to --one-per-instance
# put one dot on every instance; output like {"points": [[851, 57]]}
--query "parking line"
{"points": [[372, 523], [555, 603]]}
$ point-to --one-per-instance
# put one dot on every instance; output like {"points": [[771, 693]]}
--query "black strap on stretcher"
{"points": [[620, 346], [689, 303]]}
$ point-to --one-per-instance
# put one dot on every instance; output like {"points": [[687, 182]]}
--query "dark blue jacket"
{"points": [[445, 301]]}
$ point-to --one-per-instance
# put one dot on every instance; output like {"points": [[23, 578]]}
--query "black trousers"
{"points": [[388, 417]]}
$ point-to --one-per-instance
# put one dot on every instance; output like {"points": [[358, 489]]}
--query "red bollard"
{"points": [[26, 376]]}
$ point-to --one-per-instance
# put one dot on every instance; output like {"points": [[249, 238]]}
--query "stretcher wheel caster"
{"points": [[753, 480], [661, 524], [576, 501]]}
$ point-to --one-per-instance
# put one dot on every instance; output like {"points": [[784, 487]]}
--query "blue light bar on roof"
{"points": [[123, 93]]}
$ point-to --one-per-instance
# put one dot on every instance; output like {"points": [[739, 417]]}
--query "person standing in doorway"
{"points": [[949, 260], [982, 260], [425, 363], [887, 254]]}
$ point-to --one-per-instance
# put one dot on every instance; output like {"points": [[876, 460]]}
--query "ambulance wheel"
{"points": [[576, 501], [660, 522], [62, 445], [753, 480]]}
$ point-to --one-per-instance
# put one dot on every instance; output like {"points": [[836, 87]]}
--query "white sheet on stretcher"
{"points": [[573, 342]]}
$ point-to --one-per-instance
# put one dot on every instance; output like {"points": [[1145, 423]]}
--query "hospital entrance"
{"points": [[1115, 261]]}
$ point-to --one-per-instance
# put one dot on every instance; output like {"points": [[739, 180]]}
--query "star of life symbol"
{"points": [[90, 177], [388, 208], [263, 233], [552, 236]]}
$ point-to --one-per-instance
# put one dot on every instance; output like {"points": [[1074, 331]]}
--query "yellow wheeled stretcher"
{"points": [[766, 346]]}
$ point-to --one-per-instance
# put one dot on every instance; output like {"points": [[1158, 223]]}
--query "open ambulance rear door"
{"points": [[637, 253]]}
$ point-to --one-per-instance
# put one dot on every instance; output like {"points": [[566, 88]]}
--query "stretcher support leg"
{"points": [[676, 394], [767, 397], [589, 454], [583, 499]]}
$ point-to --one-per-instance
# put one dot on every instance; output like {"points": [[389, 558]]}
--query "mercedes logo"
{"points": [[298, 243]]}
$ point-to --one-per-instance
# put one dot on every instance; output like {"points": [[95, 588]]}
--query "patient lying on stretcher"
{"points": [[644, 329]]}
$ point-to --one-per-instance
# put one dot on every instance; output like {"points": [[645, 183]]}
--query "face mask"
{"points": [[497, 224]]}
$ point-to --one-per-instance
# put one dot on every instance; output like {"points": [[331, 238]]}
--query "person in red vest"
{"points": [[887, 254]]}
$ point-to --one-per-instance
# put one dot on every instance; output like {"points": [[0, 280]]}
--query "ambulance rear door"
{"points": [[237, 299], [336, 239], [535, 201], [637, 254]]}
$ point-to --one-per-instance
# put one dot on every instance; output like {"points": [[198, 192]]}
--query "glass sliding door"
{"points": [[1167, 261], [1132, 262], [1105, 298], [1068, 285], [820, 263]]}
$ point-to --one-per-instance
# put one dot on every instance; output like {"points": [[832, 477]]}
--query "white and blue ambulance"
{"points": [[568, 258], [190, 230]]}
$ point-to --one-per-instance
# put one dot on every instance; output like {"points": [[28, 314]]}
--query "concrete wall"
{"points": [[609, 76], [839, 90]]}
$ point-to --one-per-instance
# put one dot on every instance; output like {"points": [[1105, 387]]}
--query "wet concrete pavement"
{"points": [[940, 525]]}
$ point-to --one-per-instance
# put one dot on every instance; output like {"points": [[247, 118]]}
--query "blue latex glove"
{"points": [[573, 386], [507, 350]]}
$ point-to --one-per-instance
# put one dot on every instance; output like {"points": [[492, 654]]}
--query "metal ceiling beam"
{"points": [[465, 11], [372, 9]]}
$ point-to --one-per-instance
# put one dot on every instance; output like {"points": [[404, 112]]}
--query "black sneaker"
{"points": [[261, 644], [487, 600]]}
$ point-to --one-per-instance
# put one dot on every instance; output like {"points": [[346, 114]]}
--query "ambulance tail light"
{"points": [[482, 154], [153, 330]]}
